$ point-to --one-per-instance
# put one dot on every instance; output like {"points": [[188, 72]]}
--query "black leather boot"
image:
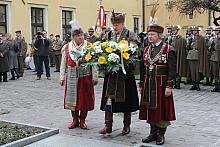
{"points": [[12, 75], [152, 136], [127, 123], [197, 86], [160, 137], [193, 86], [216, 89], [108, 123]]}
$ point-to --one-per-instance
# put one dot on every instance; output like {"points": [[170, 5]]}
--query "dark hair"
{"points": [[77, 32]]}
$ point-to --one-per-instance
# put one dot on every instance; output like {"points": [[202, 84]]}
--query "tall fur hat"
{"points": [[76, 28], [117, 17]]}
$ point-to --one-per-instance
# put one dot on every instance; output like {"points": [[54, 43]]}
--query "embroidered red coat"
{"points": [[154, 105], [85, 99]]}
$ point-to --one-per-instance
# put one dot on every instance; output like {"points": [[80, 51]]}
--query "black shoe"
{"points": [[13, 78], [48, 78], [38, 78], [56, 71]]}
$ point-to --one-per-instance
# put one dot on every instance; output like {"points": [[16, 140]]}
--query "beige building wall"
{"points": [[85, 11]]}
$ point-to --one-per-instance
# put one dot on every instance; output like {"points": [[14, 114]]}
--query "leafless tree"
{"points": [[197, 6]]}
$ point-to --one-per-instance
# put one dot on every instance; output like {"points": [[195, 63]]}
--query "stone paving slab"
{"points": [[41, 103]]}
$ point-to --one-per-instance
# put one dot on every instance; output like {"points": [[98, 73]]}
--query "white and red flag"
{"points": [[101, 21]]}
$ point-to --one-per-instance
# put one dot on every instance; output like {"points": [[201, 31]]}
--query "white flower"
{"points": [[113, 44], [113, 57], [123, 45], [98, 49], [93, 53], [133, 47]]}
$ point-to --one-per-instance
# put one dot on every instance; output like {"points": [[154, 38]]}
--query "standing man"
{"points": [[42, 53], [4, 64], [20, 41], [157, 105], [209, 36], [90, 36], [57, 46], [179, 43], [215, 59], [51, 53], [78, 81], [197, 58], [119, 90]]}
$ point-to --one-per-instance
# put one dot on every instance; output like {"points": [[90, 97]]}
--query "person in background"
{"points": [[13, 61], [42, 53], [20, 41], [57, 46], [4, 64]]}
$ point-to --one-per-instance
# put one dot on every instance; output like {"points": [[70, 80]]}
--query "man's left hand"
{"points": [[168, 91]]}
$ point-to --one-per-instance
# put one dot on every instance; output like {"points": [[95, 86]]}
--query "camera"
{"points": [[40, 35]]}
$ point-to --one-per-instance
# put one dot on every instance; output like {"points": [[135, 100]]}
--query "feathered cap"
{"points": [[196, 28], [217, 28], [176, 27], [153, 26], [209, 28], [117, 17], [76, 28]]}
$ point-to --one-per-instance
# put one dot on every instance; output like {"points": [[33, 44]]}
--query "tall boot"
{"points": [[193, 86], [178, 83], [127, 123], [0, 76], [12, 75], [216, 89], [197, 86], [83, 115], [160, 137], [108, 123], [5, 77], [17, 74], [75, 123], [152, 136]]}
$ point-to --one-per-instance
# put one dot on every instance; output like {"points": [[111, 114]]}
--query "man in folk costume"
{"points": [[215, 59], [157, 104], [79, 90], [179, 43], [119, 89], [197, 58]]}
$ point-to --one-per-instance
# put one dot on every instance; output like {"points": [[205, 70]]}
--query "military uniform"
{"points": [[179, 43], [209, 37], [57, 46], [214, 59], [21, 53], [197, 58]]}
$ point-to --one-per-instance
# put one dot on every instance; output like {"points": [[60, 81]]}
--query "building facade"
{"points": [[31, 16]]}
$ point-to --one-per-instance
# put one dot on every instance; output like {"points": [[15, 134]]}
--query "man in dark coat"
{"points": [[4, 63], [157, 105], [119, 90], [42, 53], [179, 43]]}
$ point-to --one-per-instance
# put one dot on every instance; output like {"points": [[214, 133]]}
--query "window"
{"points": [[136, 25], [66, 18], [3, 19], [37, 20]]}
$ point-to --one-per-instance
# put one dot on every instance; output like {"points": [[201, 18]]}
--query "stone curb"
{"points": [[31, 139]]}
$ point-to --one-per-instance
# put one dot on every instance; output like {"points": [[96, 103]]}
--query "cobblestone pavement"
{"points": [[28, 100]]}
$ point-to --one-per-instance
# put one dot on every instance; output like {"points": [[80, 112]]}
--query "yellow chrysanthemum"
{"points": [[124, 49], [105, 44], [123, 42], [90, 45], [101, 60], [109, 49], [88, 57], [126, 56]]}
